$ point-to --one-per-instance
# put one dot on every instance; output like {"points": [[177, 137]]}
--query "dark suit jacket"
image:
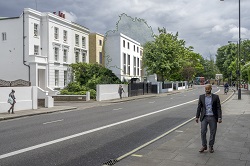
{"points": [[216, 107]]}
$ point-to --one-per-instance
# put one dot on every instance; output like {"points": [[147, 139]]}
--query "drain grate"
{"points": [[110, 162]]}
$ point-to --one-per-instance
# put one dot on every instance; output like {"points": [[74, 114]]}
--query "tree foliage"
{"points": [[168, 57], [87, 76], [227, 60]]}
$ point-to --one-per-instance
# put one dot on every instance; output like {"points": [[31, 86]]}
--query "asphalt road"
{"points": [[92, 136]]}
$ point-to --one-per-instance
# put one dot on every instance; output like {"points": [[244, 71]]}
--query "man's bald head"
{"points": [[208, 88]]}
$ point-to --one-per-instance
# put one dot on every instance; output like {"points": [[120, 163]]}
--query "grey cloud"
{"points": [[203, 24]]}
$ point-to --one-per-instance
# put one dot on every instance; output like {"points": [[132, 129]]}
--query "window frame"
{"points": [[36, 49], [124, 63], [83, 42], [84, 54], [56, 78], [56, 33], [56, 54], [65, 56], [65, 76], [36, 29], [4, 36], [65, 35], [128, 66], [76, 39], [77, 56]]}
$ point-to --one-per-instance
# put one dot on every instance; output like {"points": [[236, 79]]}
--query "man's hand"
{"points": [[196, 120], [219, 120]]}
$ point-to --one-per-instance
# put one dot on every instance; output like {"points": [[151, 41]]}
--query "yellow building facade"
{"points": [[96, 52]]}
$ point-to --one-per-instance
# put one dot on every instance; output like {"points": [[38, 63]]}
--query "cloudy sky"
{"points": [[203, 24]]}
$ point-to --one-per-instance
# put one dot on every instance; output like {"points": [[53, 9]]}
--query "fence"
{"points": [[140, 88]]}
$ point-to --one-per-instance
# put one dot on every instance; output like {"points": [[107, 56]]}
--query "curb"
{"points": [[38, 113]]}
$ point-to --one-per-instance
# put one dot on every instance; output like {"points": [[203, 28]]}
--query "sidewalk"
{"points": [[181, 147]]}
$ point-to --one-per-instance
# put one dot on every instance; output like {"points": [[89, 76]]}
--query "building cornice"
{"points": [[56, 18]]}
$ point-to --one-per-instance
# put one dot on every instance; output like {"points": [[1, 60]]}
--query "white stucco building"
{"points": [[38, 47], [123, 56]]}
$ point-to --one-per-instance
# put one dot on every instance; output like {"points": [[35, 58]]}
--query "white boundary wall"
{"points": [[110, 91], [26, 98]]}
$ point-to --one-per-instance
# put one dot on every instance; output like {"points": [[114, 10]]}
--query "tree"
{"points": [[162, 56], [191, 64]]}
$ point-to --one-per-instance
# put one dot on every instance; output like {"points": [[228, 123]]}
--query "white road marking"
{"points": [[137, 155], [150, 142], [117, 109], [151, 102], [88, 132], [54, 121], [178, 131]]}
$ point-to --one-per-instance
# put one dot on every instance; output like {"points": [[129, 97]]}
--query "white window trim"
{"points": [[83, 42], [77, 57], [56, 33], [77, 39], [36, 30], [56, 78], [56, 60], [65, 36], [36, 52], [67, 50]]}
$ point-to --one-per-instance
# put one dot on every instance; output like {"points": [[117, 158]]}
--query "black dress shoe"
{"points": [[203, 149], [211, 149]]}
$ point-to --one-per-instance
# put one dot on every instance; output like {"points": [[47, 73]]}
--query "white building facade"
{"points": [[39, 47], [123, 56]]}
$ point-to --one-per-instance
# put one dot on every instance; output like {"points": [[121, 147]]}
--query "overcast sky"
{"points": [[203, 24]]}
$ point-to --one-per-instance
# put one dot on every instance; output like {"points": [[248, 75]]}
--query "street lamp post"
{"points": [[239, 73], [239, 90]]}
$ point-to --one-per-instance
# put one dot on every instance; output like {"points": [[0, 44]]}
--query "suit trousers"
{"points": [[211, 121]]}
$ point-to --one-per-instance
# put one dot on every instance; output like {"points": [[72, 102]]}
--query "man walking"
{"points": [[120, 90], [209, 112]]}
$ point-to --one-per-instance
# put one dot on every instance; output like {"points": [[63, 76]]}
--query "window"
{"points": [[135, 66], [65, 74], [124, 43], [100, 57], [4, 36], [100, 42], [128, 64], [138, 68], [77, 40], [128, 45], [124, 63], [56, 77], [36, 50], [134, 47], [83, 42], [56, 54], [56, 33], [35, 29], [83, 56], [65, 35], [77, 56], [65, 55], [138, 49]]}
